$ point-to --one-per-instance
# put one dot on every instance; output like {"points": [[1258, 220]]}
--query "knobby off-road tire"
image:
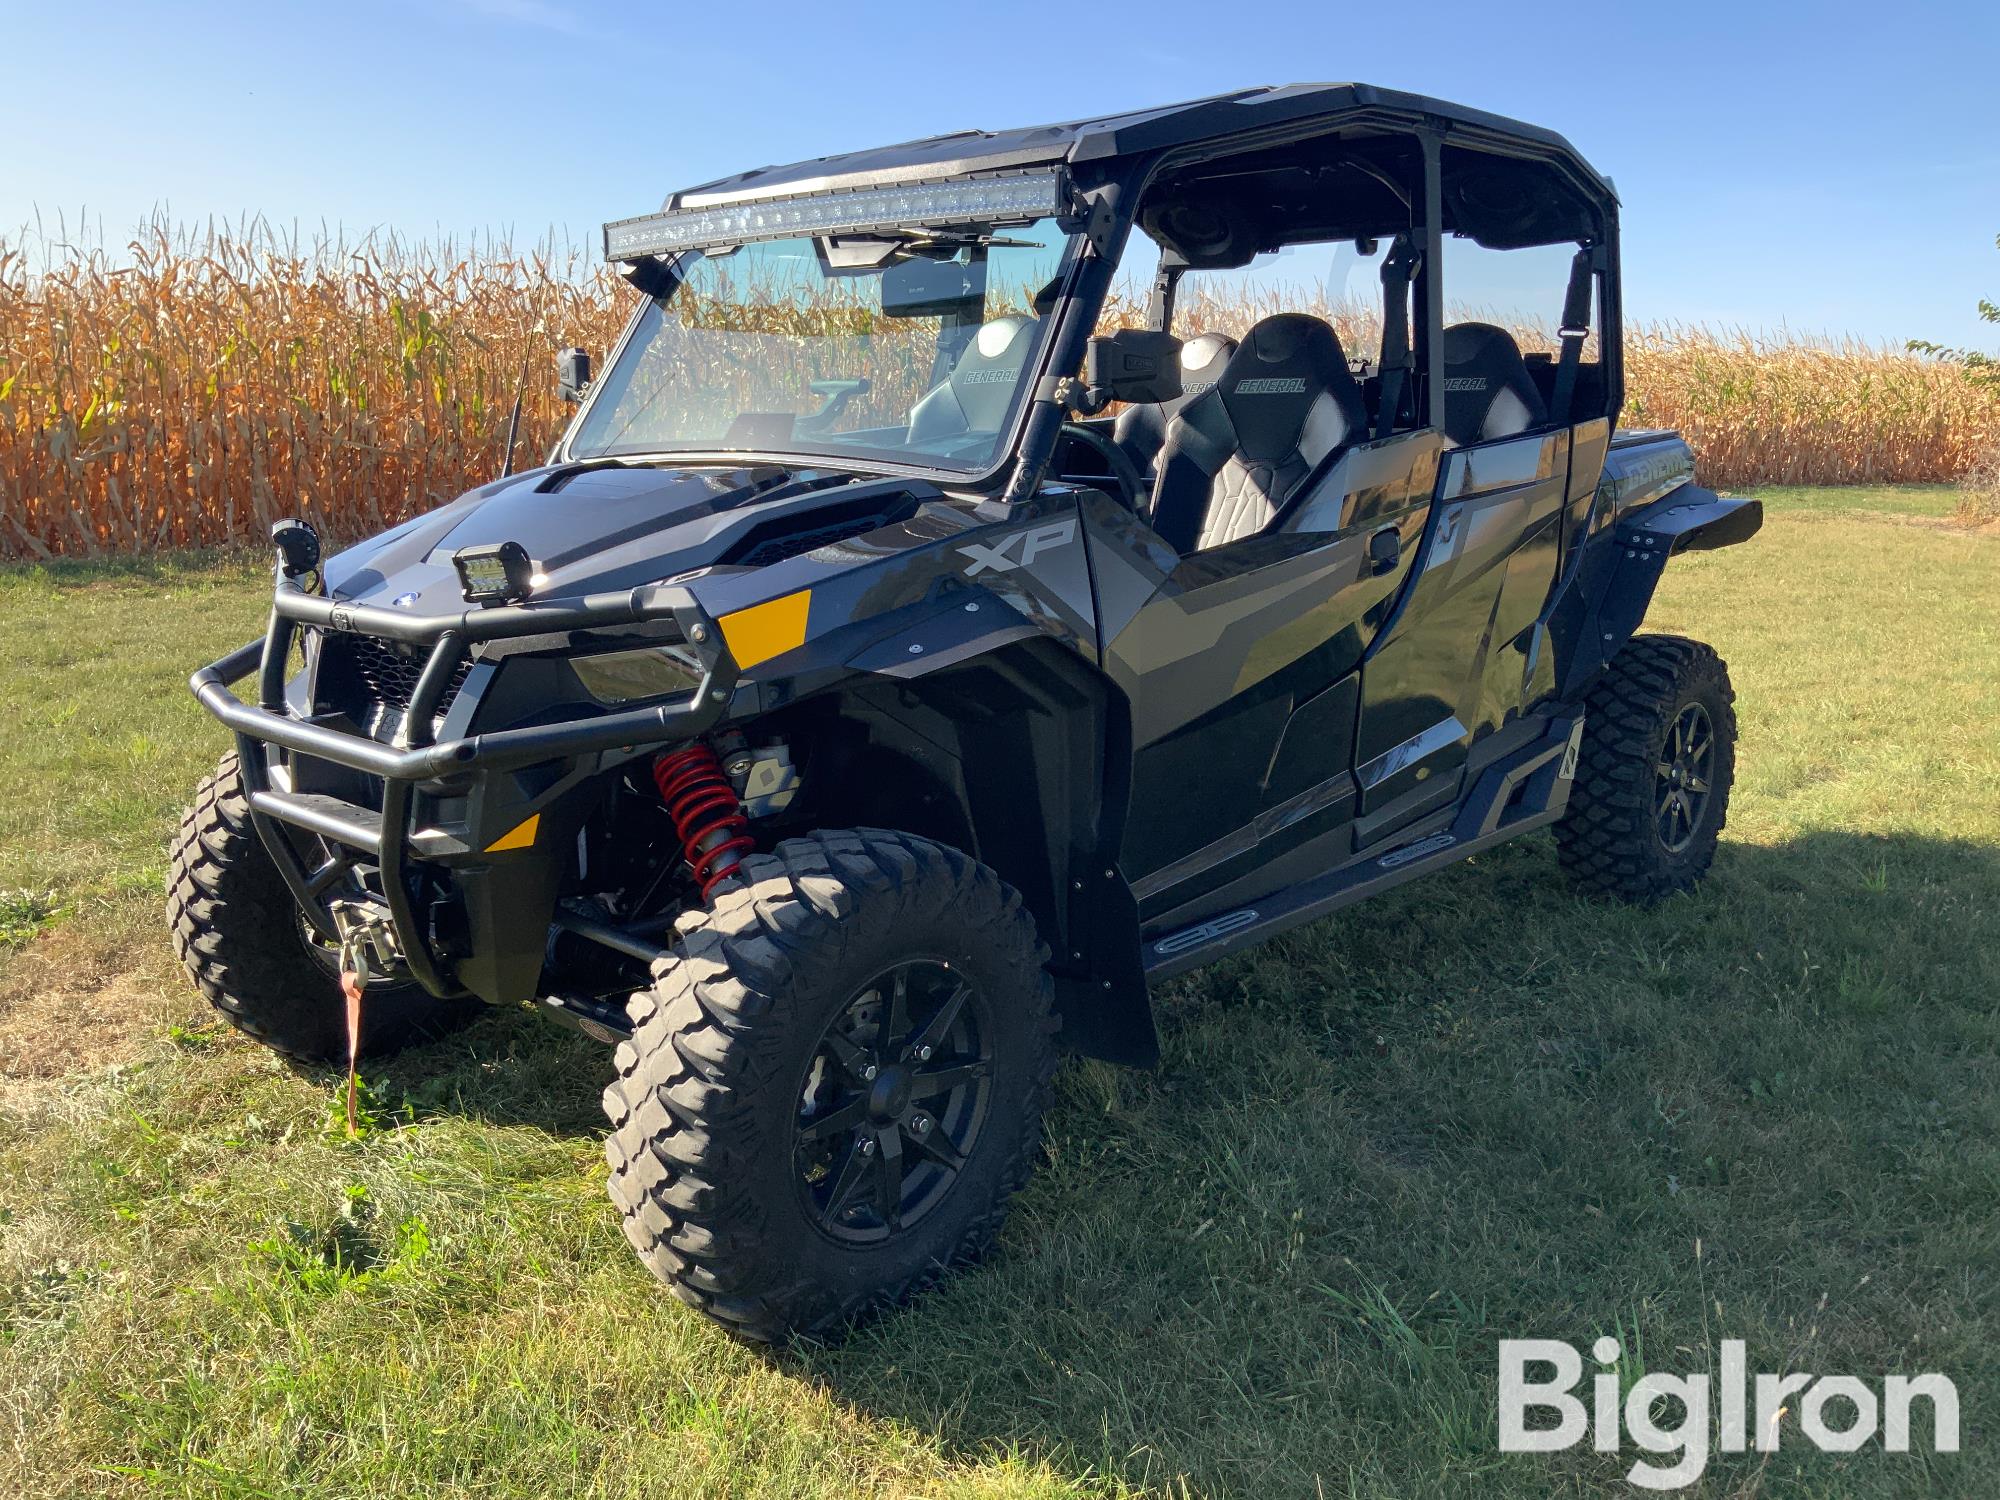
{"points": [[1646, 723], [733, 1039], [243, 941]]}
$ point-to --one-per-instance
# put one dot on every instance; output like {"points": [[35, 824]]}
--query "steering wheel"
{"points": [[1120, 462]]}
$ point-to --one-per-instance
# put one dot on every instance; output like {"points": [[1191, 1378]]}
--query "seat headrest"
{"points": [[994, 339], [975, 395], [1287, 367], [1203, 359], [1488, 392], [1234, 457]]}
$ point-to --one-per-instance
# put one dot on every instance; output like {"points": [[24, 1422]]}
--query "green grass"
{"points": [[1930, 502], [1476, 1108]]}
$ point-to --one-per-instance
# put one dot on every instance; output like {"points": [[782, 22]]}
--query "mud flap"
{"points": [[1107, 1013]]}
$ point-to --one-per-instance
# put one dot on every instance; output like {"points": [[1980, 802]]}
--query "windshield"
{"points": [[903, 349]]}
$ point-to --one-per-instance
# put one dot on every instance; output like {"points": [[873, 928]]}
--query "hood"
{"points": [[590, 528]]}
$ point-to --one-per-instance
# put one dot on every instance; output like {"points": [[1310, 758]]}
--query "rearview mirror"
{"points": [[1133, 364], [920, 288], [573, 373]]}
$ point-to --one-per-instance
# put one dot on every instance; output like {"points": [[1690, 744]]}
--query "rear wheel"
{"points": [[834, 1088], [1653, 773], [251, 952]]}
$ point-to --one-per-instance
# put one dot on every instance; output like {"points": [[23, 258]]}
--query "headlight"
{"points": [[494, 573], [650, 672]]}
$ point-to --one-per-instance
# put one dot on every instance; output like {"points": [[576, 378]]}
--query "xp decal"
{"points": [[1031, 544]]}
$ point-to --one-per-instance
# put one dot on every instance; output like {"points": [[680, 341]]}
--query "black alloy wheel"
{"points": [[1653, 771], [1682, 778], [893, 1101]]}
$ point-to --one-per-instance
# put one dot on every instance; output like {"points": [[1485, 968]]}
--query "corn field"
{"points": [[192, 387]]}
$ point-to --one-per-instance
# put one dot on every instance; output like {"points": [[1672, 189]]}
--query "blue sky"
{"points": [[1827, 168]]}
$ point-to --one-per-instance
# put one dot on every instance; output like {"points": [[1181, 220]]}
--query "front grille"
{"points": [[389, 671], [373, 679]]}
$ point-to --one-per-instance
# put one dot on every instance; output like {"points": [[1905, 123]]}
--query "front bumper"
{"points": [[477, 767]]}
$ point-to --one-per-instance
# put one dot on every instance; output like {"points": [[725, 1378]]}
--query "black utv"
{"points": [[893, 672]]}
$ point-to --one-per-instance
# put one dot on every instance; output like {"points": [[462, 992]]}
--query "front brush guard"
{"points": [[414, 759]]}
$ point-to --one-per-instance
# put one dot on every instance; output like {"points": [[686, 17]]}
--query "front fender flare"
{"points": [[1030, 746]]}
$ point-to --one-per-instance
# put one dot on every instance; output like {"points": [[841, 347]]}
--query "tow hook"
{"points": [[366, 934]]}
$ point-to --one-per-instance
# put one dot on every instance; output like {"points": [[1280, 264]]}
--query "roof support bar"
{"points": [[1160, 311], [1430, 282], [1090, 281]]}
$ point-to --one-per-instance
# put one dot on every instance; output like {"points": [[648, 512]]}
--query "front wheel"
{"points": [[1653, 773], [835, 1086]]}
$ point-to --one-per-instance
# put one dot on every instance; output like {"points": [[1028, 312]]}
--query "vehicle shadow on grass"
{"points": [[1479, 1108]]}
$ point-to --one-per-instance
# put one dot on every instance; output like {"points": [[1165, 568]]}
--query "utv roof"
{"points": [[1107, 137]]}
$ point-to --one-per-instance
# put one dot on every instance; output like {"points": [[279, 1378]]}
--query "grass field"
{"points": [[1477, 1108]]}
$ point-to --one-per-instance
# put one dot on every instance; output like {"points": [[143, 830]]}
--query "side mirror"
{"points": [[573, 373], [1133, 364]]}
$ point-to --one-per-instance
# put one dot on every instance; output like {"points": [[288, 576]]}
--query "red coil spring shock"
{"points": [[710, 824]]}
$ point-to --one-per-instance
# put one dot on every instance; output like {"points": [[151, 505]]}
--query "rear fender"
{"points": [[1607, 598]]}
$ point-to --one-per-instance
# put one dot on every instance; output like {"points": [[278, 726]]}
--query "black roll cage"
{"points": [[1110, 163], [1119, 197]]}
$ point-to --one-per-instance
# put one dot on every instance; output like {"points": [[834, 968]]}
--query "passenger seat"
{"points": [[975, 396], [1141, 429]]}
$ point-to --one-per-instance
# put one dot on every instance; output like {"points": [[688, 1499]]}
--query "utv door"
{"points": [[1462, 653], [1239, 664]]}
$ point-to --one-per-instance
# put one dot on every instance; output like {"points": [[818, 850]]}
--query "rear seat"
{"points": [[1488, 392]]}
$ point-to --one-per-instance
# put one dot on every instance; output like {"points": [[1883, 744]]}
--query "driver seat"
{"points": [[1236, 453], [1141, 429], [975, 396]]}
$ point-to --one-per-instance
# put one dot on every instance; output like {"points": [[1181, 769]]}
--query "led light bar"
{"points": [[931, 205]]}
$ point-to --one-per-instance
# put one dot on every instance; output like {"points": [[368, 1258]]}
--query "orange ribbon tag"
{"points": [[350, 989]]}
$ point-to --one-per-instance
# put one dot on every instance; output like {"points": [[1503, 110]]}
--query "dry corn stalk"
{"points": [[194, 386]]}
